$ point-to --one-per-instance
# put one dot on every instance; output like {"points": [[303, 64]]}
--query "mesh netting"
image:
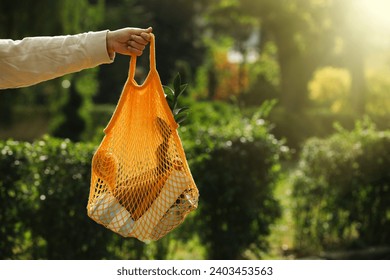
{"points": [[141, 184]]}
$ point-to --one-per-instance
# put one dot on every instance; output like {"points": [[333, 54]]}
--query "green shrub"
{"points": [[61, 171], [17, 200], [44, 191], [342, 190], [236, 165], [297, 127]]}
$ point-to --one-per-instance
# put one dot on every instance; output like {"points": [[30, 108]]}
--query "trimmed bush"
{"points": [[342, 190], [44, 190], [236, 175], [17, 201]]}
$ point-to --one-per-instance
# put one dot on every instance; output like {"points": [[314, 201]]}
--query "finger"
{"points": [[146, 36], [136, 45], [134, 51], [139, 40], [138, 31]]}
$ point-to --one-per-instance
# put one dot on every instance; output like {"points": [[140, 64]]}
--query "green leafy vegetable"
{"points": [[172, 97]]}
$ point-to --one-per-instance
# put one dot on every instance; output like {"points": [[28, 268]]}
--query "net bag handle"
{"points": [[131, 82], [152, 72], [152, 61]]}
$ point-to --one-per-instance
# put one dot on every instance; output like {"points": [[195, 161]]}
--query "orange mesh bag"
{"points": [[141, 185]]}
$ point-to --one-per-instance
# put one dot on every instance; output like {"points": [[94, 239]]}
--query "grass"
{"points": [[281, 238]]}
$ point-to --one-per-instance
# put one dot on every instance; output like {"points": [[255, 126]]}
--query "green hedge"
{"points": [[342, 190], [238, 205], [44, 190], [236, 163]]}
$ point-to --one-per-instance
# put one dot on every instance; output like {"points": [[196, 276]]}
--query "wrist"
{"points": [[110, 48]]}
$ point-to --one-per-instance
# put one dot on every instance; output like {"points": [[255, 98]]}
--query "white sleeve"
{"points": [[36, 59]]}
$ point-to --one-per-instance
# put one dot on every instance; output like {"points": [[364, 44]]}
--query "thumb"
{"points": [[139, 31], [148, 30]]}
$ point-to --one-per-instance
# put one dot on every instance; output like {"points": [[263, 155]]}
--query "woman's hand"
{"points": [[128, 41]]}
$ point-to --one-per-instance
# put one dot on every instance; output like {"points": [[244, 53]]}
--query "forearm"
{"points": [[33, 60]]}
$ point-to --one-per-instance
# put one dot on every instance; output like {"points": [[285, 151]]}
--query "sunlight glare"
{"points": [[376, 13]]}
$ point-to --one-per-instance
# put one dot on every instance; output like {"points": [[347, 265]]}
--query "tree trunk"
{"points": [[296, 71]]}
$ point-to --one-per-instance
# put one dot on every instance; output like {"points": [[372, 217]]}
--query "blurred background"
{"points": [[288, 136]]}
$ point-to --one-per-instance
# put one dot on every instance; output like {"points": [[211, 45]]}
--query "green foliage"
{"points": [[264, 79], [330, 88], [342, 190], [378, 97], [172, 97], [235, 162], [74, 119], [301, 33], [16, 200], [221, 15], [77, 15], [238, 206], [44, 192], [170, 18], [70, 123]]}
